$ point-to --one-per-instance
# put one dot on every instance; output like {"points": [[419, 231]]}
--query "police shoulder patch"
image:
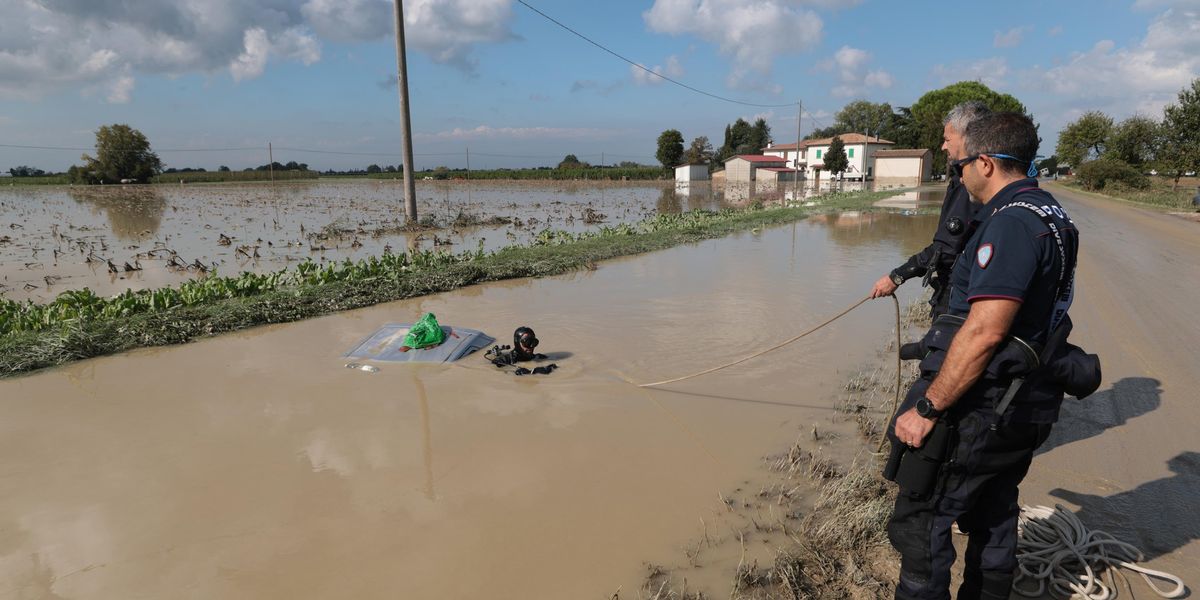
{"points": [[983, 256]]}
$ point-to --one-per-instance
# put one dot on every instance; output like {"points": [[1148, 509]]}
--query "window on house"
{"points": [[818, 154], [851, 152]]}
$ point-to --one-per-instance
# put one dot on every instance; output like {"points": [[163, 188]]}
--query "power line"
{"points": [[654, 73]]}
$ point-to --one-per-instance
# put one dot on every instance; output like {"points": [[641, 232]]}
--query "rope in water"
{"points": [[895, 398], [760, 353], [1054, 546]]}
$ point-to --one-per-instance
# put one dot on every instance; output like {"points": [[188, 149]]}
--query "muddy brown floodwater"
{"points": [[255, 465], [60, 238]]}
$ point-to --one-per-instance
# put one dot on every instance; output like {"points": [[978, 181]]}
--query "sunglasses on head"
{"points": [[958, 165]]}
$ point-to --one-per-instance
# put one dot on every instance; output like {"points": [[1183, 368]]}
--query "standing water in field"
{"points": [[255, 465], [113, 238]]}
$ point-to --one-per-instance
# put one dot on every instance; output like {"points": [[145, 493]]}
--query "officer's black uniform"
{"points": [[1011, 254], [937, 258]]}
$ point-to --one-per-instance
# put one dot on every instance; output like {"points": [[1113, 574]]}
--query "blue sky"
{"points": [[493, 76]]}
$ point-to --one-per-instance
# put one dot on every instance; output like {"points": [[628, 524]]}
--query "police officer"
{"points": [[1014, 279], [937, 258]]}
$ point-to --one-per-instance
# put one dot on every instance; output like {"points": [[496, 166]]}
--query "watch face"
{"points": [[924, 407]]}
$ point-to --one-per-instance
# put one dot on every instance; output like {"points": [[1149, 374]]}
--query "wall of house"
{"points": [[739, 170], [901, 168], [789, 156], [691, 173]]}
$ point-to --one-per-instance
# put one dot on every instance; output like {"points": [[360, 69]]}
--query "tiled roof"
{"points": [[902, 153], [847, 138], [756, 158]]}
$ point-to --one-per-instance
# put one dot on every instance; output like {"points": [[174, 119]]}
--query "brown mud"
{"points": [[254, 465]]}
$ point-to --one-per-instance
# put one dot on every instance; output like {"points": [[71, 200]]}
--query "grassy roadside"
{"points": [[1158, 197], [158, 317]]}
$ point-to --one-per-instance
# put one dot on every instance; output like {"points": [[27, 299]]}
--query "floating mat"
{"points": [[384, 345]]}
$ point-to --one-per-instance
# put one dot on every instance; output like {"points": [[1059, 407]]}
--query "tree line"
{"points": [[1103, 151]]}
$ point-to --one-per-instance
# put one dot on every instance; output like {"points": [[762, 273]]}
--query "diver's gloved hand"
{"points": [[523, 371], [546, 369]]}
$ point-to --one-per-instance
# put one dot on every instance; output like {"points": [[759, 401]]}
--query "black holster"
{"points": [[917, 470]]}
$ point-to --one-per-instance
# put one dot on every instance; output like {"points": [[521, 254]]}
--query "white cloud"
{"points": [[1010, 38], [55, 45], [1141, 77], [853, 77], [674, 70], [121, 90], [515, 133], [1055, 31], [992, 72], [752, 33]]}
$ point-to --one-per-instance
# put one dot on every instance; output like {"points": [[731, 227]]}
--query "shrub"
{"points": [[1096, 174]]}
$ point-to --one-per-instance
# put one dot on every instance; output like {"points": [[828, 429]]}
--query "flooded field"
{"points": [[255, 465], [111, 239]]}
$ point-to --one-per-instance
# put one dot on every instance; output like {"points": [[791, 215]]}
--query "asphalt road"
{"points": [[1128, 458]]}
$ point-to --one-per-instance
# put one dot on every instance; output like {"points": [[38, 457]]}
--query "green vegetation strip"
{"points": [[78, 324], [1159, 194]]}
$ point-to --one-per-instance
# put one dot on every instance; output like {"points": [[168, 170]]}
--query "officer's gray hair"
{"points": [[961, 116]]}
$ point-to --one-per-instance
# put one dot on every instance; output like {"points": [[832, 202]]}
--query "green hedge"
{"points": [[1097, 174]]}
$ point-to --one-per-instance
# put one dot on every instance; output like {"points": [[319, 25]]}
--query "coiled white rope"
{"points": [[1054, 546]]}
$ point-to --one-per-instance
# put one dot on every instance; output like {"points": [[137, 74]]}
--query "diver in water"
{"points": [[523, 349]]}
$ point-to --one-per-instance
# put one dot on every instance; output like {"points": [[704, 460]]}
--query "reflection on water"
{"points": [[132, 213]]}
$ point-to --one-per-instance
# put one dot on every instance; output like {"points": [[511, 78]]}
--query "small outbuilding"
{"points": [[780, 174], [908, 164], [687, 173], [741, 168]]}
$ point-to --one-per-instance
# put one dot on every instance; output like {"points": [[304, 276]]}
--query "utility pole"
{"points": [[796, 163], [410, 188], [271, 162]]}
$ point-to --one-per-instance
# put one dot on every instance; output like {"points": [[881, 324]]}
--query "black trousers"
{"points": [[978, 489]]}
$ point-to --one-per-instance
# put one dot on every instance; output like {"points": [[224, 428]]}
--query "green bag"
{"points": [[425, 333]]}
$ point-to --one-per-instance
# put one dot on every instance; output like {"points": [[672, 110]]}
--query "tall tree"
{"points": [[571, 161], [1180, 150], [863, 116], [1084, 138], [929, 111], [903, 129], [122, 152], [760, 135], [670, 148], [835, 158], [740, 134], [699, 152], [1134, 140]]}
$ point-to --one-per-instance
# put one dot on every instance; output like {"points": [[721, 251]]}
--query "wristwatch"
{"points": [[896, 278], [926, 409]]}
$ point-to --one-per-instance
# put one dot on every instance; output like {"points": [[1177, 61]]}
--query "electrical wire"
{"points": [[654, 73]]}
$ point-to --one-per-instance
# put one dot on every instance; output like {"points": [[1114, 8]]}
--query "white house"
{"points": [[910, 165], [860, 151], [741, 168], [691, 173]]}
